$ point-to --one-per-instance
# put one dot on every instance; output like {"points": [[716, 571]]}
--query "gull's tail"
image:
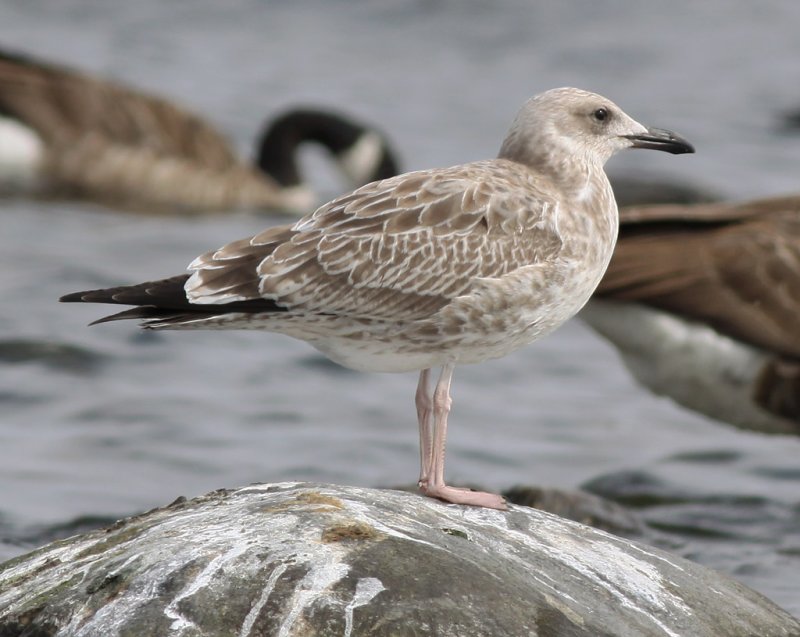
{"points": [[163, 303]]}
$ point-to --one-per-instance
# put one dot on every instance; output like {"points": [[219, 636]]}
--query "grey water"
{"points": [[101, 422]]}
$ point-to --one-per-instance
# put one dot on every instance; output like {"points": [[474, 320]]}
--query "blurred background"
{"points": [[103, 422]]}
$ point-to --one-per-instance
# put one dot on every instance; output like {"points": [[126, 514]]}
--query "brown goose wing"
{"points": [[738, 271], [708, 213], [62, 104]]}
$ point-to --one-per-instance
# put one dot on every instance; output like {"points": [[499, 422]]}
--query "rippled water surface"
{"points": [[102, 422]]}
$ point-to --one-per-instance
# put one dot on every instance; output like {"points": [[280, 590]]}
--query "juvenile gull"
{"points": [[64, 133], [431, 268], [703, 303]]}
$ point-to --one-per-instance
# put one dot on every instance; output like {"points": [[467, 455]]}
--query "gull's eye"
{"points": [[601, 114]]}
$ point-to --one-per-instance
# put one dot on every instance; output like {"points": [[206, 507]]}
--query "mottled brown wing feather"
{"points": [[708, 213], [62, 104], [400, 248], [742, 277]]}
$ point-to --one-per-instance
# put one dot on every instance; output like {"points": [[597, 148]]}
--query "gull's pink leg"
{"points": [[424, 403], [435, 485]]}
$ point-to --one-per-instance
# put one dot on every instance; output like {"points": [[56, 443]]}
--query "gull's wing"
{"points": [[735, 267], [63, 105], [396, 249]]}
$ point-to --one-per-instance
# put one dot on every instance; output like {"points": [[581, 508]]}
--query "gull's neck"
{"points": [[574, 171], [590, 210]]}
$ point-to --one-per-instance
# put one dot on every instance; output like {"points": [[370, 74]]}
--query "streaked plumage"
{"points": [[436, 267], [67, 134], [717, 288]]}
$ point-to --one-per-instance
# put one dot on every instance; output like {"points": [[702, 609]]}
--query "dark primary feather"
{"points": [[163, 299]]}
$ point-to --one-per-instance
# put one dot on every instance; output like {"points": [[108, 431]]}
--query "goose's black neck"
{"points": [[279, 143]]}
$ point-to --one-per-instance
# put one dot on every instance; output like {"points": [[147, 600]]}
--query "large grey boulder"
{"points": [[290, 560]]}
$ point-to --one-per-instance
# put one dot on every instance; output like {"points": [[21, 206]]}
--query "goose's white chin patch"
{"points": [[21, 156], [359, 161], [299, 199]]}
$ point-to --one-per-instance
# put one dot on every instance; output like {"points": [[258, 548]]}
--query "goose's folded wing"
{"points": [[742, 277], [677, 215], [62, 104]]}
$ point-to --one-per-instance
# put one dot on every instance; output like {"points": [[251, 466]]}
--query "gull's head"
{"points": [[570, 123]]}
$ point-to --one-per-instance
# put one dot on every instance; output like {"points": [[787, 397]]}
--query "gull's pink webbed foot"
{"points": [[432, 445], [465, 496]]}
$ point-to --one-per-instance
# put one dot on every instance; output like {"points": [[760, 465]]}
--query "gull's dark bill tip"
{"points": [[661, 139], [73, 297]]}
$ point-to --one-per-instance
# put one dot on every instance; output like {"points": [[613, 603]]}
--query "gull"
{"points": [[66, 134], [427, 269], [702, 302]]}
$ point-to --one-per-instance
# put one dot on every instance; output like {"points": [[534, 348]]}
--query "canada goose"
{"points": [[703, 303], [66, 134]]}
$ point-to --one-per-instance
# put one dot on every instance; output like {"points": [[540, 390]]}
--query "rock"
{"points": [[580, 506], [573, 504], [318, 560], [57, 356], [789, 121]]}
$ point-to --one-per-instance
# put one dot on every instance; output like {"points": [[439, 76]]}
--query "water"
{"points": [[103, 422]]}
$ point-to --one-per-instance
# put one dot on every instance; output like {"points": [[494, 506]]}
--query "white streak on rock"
{"points": [[321, 576], [565, 609], [363, 512], [180, 623], [268, 488], [130, 560], [659, 557], [636, 584], [250, 620], [366, 589]]}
